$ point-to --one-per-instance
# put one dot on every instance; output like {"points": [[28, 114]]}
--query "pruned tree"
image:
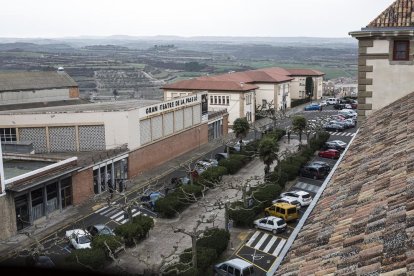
{"points": [[269, 111], [309, 87], [241, 127], [299, 125]]}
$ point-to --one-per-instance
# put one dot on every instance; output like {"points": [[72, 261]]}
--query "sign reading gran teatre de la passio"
{"points": [[165, 106]]}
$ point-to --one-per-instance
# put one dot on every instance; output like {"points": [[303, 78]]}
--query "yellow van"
{"points": [[286, 211]]}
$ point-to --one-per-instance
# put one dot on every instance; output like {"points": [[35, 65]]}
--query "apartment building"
{"points": [[386, 58]]}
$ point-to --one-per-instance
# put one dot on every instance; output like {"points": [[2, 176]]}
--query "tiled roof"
{"points": [[269, 75], [209, 84], [363, 223], [18, 81], [399, 14], [304, 72]]}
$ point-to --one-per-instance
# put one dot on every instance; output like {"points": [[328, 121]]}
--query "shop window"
{"points": [[37, 204], [52, 197], [66, 192], [8, 134], [401, 50]]}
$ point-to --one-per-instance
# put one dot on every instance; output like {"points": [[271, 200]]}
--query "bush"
{"points": [[212, 175], [276, 134], [169, 205], [232, 166], [205, 257], [190, 189], [267, 193], [243, 217], [215, 238], [135, 230], [94, 257], [113, 242], [240, 157]]}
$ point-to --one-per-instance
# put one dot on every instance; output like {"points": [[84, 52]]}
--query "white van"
{"points": [[234, 267], [332, 101]]}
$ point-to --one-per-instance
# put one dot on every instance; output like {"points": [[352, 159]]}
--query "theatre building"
{"points": [[83, 150]]}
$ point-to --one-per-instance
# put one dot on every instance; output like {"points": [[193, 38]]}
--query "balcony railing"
{"points": [[216, 113]]}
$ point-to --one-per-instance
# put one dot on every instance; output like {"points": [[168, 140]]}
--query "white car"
{"points": [[79, 239], [273, 224], [303, 197], [339, 142], [288, 199]]}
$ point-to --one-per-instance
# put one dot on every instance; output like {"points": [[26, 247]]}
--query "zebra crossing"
{"points": [[266, 243], [118, 215], [307, 187], [341, 133]]}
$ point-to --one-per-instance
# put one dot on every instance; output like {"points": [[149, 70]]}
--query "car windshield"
{"points": [[295, 202], [306, 196], [106, 231], [280, 222], [83, 239]]}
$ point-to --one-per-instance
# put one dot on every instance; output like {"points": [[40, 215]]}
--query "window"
{"points": [[230, 270], [8, 134], [264, 103], [211, 100], [270, 222], [237, 272], [248, 99], [228, 100], [220, 100], [215, 99], [401, 50]]}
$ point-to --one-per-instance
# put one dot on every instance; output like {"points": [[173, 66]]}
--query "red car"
{"points": [[330, 153]]}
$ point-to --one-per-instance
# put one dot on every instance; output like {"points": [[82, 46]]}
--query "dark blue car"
{"points": [[312, 107]]}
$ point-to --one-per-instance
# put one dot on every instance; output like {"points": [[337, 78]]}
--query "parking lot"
{"points": [[261, 247]]}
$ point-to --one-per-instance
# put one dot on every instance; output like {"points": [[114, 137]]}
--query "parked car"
{"points": [[212, 162], [313, 106], [273, 224], [322, 164], [78, 238], [351, 122], [221, 156], [100, 229], [149, 199], [311, 171], [333, 127], [286, 211], [303, 197], [287, 199], [234, 267], [338, 117], [332, 101], [354, 104], [339, 106], [335, 144], [329, 153], [342, 123]]}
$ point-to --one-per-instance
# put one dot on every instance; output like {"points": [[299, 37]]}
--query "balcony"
{"points": [[217, 112]]}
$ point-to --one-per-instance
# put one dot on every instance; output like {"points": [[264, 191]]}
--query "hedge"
{"points": [[136, 230], [267, 193], [94, 258], [234, 163], [113, 242], [241, 216], [215, 238], [205, 258], [176, 201], [212, 176]]}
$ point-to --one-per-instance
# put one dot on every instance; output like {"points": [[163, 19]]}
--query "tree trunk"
{"points": [[194, 249], [226, 216]]}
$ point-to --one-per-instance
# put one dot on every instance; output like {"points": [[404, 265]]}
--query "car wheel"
{"points": [[274, 231]]}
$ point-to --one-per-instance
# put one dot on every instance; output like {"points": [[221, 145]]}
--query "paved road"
{"points": [[262, 247]]}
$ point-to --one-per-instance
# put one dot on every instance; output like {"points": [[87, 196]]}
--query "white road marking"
{"points": [[249, 243], [270, 243], [99, 210], [279, 247], [117, 214], [261, 241]]}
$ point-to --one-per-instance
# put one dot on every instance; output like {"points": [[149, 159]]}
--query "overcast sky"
{"points": [[312, 18]]}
